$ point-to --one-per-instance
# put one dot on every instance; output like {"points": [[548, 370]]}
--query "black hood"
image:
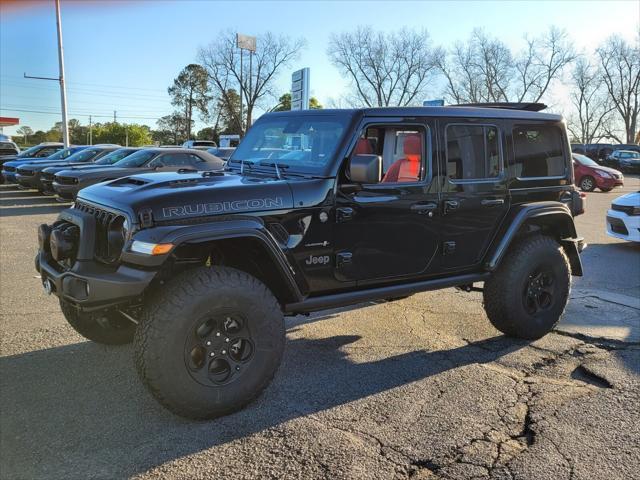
{"points": [[177, 196]]}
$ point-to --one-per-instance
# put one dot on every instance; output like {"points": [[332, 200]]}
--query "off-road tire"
{"points": [[505, 293], [110, 328], [587, 183], [170, 321]]}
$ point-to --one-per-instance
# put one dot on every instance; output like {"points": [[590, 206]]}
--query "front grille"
{"points": [[46, 176], [104, 251], [25, 172], [66, 180], [628, 209], [9, 168]]}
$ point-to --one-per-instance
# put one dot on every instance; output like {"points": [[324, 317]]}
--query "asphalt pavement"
{"points": [[421, 388]]}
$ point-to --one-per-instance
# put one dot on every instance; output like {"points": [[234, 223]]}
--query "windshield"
{"points": [[114, 157], [29, 151], [136, 159], [302, 143], [83, 155], [586, 161], [62, 154]]}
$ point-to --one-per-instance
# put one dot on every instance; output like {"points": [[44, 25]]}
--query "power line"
{"points": [[77, 114], [96, 85]]}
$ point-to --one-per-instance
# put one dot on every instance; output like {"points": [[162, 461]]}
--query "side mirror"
{"points": [[365, 168]]}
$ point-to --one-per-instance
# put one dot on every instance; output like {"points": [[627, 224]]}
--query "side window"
{"points": [[159, 161], [472, 152], [402, 149], [194, 161], [176, 160], [45, 152], [538, 151]]}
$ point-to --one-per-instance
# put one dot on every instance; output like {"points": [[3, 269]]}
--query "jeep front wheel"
{"points": [[526, 296], [209, 342], [109, 328]]}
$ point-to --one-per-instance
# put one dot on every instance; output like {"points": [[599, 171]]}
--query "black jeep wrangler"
{"points": [[315, 210]]}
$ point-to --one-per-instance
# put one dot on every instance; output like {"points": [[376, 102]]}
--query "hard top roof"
{"points": [[447, 111]]}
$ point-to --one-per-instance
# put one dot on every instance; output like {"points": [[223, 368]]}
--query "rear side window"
{"points": [[473, 152], [538, 151]]}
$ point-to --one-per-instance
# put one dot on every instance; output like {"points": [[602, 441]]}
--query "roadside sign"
{"points": [[246, 42], [433, 103], [300, 89]]}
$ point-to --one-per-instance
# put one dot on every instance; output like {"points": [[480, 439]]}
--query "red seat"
{"points": [[363, 147], [407, 169]]}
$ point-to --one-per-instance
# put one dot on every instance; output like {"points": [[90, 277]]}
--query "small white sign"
{"points": [[246, 42], [295, 96]]}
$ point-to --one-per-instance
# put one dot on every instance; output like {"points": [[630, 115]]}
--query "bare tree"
{"points": [[620, 64], [484, 69], [590, 100], [542, 61], [479, 70], [390, 69], [222, 61]]}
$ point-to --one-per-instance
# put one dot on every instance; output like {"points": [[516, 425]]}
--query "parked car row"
{"points": [[610, 155], [68, 170]]}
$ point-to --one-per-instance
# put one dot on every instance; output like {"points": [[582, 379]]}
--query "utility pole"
{"points": [[60, 79], [90, 131], [63, 88]]}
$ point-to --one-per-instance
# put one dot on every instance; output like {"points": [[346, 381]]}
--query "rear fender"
{"points": [[549, 218]]}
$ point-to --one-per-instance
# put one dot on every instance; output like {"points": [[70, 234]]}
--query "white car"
{"points": [[623, 219]]}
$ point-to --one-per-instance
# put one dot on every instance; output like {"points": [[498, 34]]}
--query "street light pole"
{"points": [[63, 88]]}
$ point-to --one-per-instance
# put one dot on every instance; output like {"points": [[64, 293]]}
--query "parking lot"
{"points": [[418, 388]]}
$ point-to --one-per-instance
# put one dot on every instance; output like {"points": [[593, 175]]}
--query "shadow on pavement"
{"points": [[81, 408]]}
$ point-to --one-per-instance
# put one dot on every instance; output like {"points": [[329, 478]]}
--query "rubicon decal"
{"points": [[218, 207]]}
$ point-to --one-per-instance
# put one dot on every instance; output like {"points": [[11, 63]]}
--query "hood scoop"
{"points": [[128, 181]]}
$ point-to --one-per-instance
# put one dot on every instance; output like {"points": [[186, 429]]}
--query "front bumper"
{"points": [[27, 181], [609, 182], [623, 226], [68, 192], [91, 286], [9, 177], [630, 167]]}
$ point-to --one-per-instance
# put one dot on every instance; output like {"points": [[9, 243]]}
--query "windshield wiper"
{"points": [[274, 164]]}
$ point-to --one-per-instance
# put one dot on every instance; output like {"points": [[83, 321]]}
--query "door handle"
{"points": [[424, 208], [494, 202], [451, 205]]}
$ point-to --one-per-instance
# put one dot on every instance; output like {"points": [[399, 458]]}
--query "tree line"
{"points": [[399, 68]]}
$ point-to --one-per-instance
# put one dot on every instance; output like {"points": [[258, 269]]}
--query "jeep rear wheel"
{"points": [[110, 328], [209, 342], [526, 296]]}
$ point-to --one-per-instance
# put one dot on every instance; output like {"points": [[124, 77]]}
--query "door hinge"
{"points": [[448, 247], [344, 214], [343, 259]]}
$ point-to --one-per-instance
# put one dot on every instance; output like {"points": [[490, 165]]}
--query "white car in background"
{"points": [[623, 218]]}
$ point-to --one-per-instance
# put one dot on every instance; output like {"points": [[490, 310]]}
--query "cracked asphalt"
{"points": [[421, 388]]}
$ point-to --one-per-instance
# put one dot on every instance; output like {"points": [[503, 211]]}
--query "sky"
{"points": [[122, 55]]}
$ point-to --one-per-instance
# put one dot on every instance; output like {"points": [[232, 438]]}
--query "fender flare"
{"points": [[539, 213], [222, 229]]}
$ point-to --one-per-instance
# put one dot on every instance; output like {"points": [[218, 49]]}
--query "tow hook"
{"points": [[48, 286]]}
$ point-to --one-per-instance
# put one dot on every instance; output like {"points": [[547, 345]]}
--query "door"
{"points": [[474, 189], [387, 231]]}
